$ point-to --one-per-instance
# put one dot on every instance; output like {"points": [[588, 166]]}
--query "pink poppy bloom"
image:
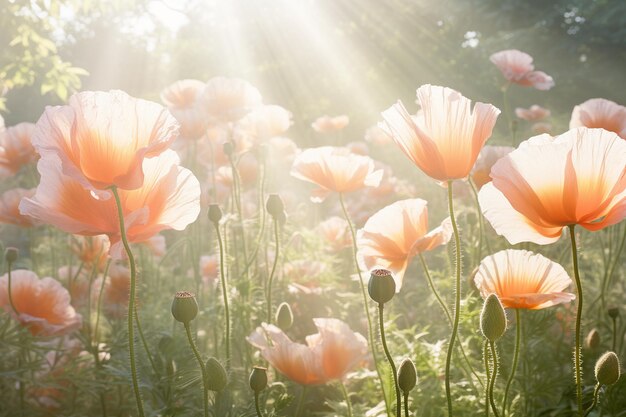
{"points": [[522, 279], [444, 139], [488, 156], [181, 98], [517, 67], [9, 207], [265, 122], [91, 250], [328, 124], [600, 113], [42, 305], [541, 127], [336, 233], [532, 114], [395, 234], [226, 100], [549, 183], [16, 149]]}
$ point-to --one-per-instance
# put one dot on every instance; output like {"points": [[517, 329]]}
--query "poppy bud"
{"points": [[613, 312], [228, 148], [258, 379], [382, 286], [407, 376], [492, 319], [275, 205], [592, 341], [215, 213], [608, 369], [11, 254], [184, 307], [217, 379], [284, 316]]}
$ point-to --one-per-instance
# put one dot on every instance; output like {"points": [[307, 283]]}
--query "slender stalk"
{"points": [[494, 355], [9, 267], [487, 374], [609, 275], [301, 401], [205, 391], [406, 404], [99, 303], [596, 392], [131, 303], [577, 349], [518, 336], [370, 329], [220, 243], [346, 397], [144, 343], [481, 224], [273, 272], [457, 300], [394, 371], [614, 345], [257, 405]]}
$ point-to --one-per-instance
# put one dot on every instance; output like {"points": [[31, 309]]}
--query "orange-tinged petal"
{"points": [[600, 113]]}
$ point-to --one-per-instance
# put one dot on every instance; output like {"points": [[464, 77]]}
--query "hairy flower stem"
{"points": [[487, 374], [492, 382], [614, 345], [9, 268], [370, 329], [406, 404], [596, 392], [301, 401], [457, 299], [579, 311], [205, 391], [220, 243], [346, 397], [394, 371], [271, 277], [518, 336], [257, 406], [131, 303]]}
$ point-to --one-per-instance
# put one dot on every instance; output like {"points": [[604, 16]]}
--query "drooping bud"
{"points": [[258, 379], [608, 369], [382, 286], [613, 312], [492, 319], [11, 254], [407, 376], [284, 316], [215, 213], [217, 379], [228, 148], [274, 205], [184, 307], [592, 341]]}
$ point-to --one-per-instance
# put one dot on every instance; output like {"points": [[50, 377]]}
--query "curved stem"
{"points": [[99, 303], [457, 299], [144, 343], [492, 382], [487, 374], [131, 302], [220, 243], [257, 405], [271, 277], [346, 397], [370, 329], [596, 392], [579, 311], [205, 391], [518, 336], [394, 371], [301, 401]]}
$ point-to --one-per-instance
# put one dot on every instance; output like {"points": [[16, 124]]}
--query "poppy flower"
{"points": [[444, 139], [181, 98], [488, 156], [532, 114], [226, 100], [116, 291], [16, 149], [522, 279], [600, 113], [328, 124], [91, 250], [549, 183], [265, 122], [336, 233], [9, 207], [517, 67]]}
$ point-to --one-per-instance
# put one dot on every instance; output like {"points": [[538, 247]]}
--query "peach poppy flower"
{"points": [[335, 232], [328, 355], [226, 100], [532, 114], [9, 207], [265, 122], [517, 67], [102, 138], [444, 139], [43, 305], [488, 156], [395, 234], [181, 98], [16, 149], [209, 268], [116, 291], [328, 124], [77, 283], [522, 279], [549, 183], [541, 127], [600, 113], [358, 147], [168, 199], [91, 249], [334, 169]]}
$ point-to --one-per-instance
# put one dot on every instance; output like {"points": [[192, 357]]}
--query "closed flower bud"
{"points": [[217, 379], [613, 312], [608, 369], [382, 286], [284, 316], [407, 376], [258, 379], [11, 254], [275, 205], [592, 341], [492, 319], [215, 213], [228, 148], [184, 307]]}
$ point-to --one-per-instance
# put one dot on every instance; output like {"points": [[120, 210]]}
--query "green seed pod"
{"points": [[284, 316], [215, 213], [407, 376], [274, 205], [492, 319], [11, 254], [217, 379], [184, 307], [382, 286], [258, 379], [592, 341], [613, 312], [608, 369]]}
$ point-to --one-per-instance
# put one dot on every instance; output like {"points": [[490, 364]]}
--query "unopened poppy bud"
{"points": [[608, 369], [284, 316], [228, 148], [11, 254], [258, 379], [613, 312], [215, 213], [492, 319], [217, 379], [407, 376], [592, 341], [274, 205], [184, 307], [382, 286]]}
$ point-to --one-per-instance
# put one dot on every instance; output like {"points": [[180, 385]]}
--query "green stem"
{"points": [[99, 303], [609, 275], [507, 111], [220, 243], [131, 303], [494, 355], [144, 343], [596, 392], [406, 404], [394, 371], [257, 405], [579, 311], [614, 345], [273, 272], [518, 336], [346, 397], [487, 374], [205, 391], [9, 266], [370, 329], [301, 401], [457, 300]]}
